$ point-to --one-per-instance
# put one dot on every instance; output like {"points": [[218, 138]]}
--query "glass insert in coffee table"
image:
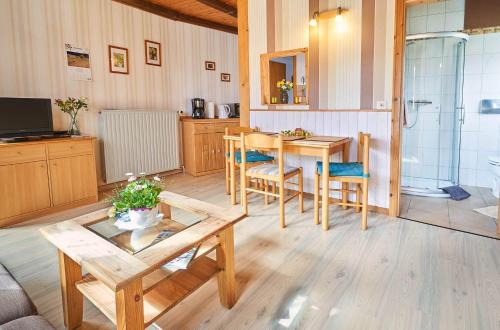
{"points": [[134, 241]]}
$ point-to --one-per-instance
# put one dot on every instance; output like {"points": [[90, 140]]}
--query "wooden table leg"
{"points": [[326, 190], [232, 174], [225, 260], [345, 185], [130, 307], [70, 273]]}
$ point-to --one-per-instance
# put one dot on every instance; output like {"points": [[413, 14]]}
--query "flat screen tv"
{"points": [[24, 116]]}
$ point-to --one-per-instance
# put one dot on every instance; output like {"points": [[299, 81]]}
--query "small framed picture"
{"points": [[118, 59], [153, 52], [226, 77], [209, 65]]}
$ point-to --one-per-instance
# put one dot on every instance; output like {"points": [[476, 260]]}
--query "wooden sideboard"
{"points": [[45, 176], [203, 145]]}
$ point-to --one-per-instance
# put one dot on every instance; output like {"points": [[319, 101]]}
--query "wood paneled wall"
{"points": [[337, 124], [340, 78], [33, 34]]}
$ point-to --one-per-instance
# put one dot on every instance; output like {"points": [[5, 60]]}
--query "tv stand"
{"points": [[46, 176], [35, 137]]}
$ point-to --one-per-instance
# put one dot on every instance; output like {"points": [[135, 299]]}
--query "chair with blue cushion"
{"points": [[253, 157], [276, 173], [356, 173]]}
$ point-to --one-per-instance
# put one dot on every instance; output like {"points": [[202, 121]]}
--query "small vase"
{"points": [[284, 97], [73, 126], [143, 217]]}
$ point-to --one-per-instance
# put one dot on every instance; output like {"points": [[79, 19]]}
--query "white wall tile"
{"points": [[473, 64], [454, 21], [474, 45], [455, 5], [435, 23], [492, 43]]}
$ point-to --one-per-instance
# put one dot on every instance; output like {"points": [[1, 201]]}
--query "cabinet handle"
{"points": [[213, 151]]}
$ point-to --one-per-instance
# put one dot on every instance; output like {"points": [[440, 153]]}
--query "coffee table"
{"points": [[125, 273]]}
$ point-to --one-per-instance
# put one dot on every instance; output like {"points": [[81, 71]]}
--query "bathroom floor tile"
{"points": [[452, 214]]}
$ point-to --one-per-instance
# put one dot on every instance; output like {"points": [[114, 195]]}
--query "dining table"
{"points": [[313, 146]]}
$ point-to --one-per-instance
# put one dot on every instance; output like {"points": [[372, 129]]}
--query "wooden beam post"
{"points": [[397, 101], [244, 63], [164, 11], [130, 307], [70, 272], [220, 6], [225, 260]]}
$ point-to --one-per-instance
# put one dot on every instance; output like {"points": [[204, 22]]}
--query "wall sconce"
{"points": [[336, 13]]}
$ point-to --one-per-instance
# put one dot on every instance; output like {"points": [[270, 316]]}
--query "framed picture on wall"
{"points": [[209, 65], [118, 59], [226, 77], [153, 52]]}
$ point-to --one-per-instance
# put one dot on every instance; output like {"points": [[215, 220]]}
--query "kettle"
{"points": [[224, 111]]}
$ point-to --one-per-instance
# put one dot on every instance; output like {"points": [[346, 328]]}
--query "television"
{"points": [[25, 116]]}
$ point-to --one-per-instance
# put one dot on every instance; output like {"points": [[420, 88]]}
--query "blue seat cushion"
{"points": [[252, 157], [343, 169]]}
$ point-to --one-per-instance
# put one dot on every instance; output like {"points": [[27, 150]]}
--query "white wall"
{"points": [[481, 132], [436, 17], [33, 34]]}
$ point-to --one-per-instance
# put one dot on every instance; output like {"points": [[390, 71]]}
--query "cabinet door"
{"points": [[24, 188], [219, 151], [202, 152], [72, 179]]}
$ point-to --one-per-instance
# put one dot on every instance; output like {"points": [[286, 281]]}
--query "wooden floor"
{"points": [[448, 213], [397, 275]]}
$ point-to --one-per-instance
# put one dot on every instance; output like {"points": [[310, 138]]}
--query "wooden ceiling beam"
{"points": [[220, 6], [153, 8]]}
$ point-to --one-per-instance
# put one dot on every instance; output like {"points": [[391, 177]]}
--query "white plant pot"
{"points": [[142, 217]]}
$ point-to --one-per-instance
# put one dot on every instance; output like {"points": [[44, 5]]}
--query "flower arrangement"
{"points": [[284, 85], [139, 194], [72, 106]]}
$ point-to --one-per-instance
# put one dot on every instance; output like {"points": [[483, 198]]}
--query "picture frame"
{"points": [[225, 77], [118, 60], [152, 52], [209, 65]]}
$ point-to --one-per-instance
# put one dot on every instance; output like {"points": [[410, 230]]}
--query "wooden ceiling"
{"points": [[215, 14]]}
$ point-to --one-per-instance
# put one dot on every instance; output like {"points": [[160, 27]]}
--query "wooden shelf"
{"points": [[161, 297], [150, 281]]}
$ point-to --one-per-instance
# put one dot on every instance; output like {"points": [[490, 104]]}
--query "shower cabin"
{"points": [[434, 113]]}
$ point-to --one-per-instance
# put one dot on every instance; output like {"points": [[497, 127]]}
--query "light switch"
{"points": [[380, 105]]}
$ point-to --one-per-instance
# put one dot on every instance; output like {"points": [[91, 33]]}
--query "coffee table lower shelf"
{"points": [[158, 299]]}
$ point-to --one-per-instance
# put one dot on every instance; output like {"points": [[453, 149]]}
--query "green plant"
{"points": [[139, 193], [72, 106]]}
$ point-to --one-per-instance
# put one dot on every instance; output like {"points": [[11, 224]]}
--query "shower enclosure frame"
{"points": [[458, 108]]}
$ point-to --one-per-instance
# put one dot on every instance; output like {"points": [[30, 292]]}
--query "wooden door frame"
{"points": [[397, 107]]}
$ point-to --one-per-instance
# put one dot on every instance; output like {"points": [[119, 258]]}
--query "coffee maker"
{"points": [[198, 108]]}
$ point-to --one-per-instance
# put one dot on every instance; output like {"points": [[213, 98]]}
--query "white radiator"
{"points": [[139, 141]]}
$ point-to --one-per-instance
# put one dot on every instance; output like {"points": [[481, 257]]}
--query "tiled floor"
{"points": [[448, 213]]}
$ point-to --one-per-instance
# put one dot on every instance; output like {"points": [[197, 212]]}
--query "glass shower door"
{"points": [[433, 114]]}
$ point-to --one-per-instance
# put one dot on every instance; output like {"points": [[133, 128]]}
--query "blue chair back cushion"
{"points": [[252, 157], [343, 169]]}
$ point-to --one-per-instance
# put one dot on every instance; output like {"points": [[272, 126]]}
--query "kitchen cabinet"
{"points": [[203, 145]]}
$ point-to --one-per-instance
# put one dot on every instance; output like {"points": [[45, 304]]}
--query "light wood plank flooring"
{"points": [[396, 275], [453, 214]]}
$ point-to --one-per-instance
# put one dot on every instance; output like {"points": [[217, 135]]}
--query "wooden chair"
{"points": [[357, 173], [254, 159], [275, 173]]}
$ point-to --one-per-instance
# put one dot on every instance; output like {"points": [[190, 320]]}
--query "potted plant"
{"points": [[72, 106], [284, 86], [138, 200]]}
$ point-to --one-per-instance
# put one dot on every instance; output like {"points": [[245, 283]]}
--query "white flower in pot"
{"points": [[139, 199]]}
